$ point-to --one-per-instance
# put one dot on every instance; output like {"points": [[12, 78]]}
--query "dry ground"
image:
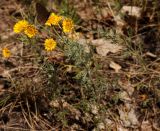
{"points": [[126, 95]]}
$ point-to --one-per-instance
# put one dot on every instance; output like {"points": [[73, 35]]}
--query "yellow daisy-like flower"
{"points": [[50, 44], [6, 52], [20, 26], [30, 31], [67, 25], [53, 19]]}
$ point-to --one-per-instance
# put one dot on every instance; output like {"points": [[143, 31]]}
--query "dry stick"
{"points": [[153, 62], [23, 112], [21, 52], [35, 123], [133, 73], [20, 67], [153, 13], [110, 9], [29, 113], [38, 119], [14, 128], [151, 25], [13, 105], [5, 108]]}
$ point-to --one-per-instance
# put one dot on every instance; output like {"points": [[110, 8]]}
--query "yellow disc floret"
{"points": [[6, 52], [67, 25], [20, 26], [50, 44], [30, 31], [53, 19]]}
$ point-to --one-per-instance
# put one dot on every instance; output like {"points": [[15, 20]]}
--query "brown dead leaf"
{"points": [[115, 66], [103, 46]]}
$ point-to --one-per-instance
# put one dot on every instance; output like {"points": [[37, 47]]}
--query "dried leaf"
{"points": [[94, 109], [146, 126], [132, 10], [132, 117], [115, 66], [129, 119], [120, 128], [120, 23], [105, 12], [103, 46], [124, 96], [86, 13], [127, 86], [100, 126]]}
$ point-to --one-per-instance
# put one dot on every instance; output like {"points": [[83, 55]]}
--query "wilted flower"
{"points": [[6, 52], [67, 25], [53, 19], [30, 31], [50, 44], [20, 26]]}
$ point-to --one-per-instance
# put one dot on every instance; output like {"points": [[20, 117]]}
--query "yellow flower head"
{"points": [[30, 31], [53, 19], [67, 25], [20, 26], [50, 44], [6, 52]]}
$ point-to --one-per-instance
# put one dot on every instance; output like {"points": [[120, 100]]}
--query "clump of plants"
{"points": [[72, 71]]}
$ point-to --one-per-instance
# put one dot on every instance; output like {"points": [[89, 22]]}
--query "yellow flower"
{"points": [[20, 26], [6, 52], [30, 31], [50, 44], [53, 19], [67, 25]]}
